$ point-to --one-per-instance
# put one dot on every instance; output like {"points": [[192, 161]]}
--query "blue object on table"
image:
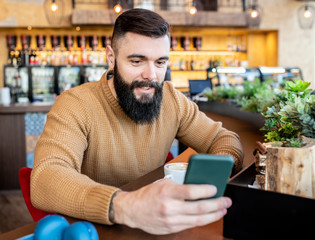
{"points": [[27, 237], [81, 231], [51, 227], [55, 227]]}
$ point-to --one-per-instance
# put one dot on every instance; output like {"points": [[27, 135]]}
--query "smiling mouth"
{"points": [[145, 88]]}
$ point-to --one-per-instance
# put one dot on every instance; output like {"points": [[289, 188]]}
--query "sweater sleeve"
{"points": [[57, 184], [204, 135]]}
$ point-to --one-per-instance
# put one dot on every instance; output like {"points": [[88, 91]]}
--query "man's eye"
{"points": [[135, 61], [161, 63]]}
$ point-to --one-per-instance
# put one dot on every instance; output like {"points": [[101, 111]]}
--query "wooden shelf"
{"points": [[205, 52]]}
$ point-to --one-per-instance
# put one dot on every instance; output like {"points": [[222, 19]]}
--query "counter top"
{"points": [[25, 107]]}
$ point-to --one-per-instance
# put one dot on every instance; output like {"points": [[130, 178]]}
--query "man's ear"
{"points": [[110, 56]]}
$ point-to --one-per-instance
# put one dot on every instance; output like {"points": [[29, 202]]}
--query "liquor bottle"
{"points": [[93, 42], [173, 43], [89, 57], [11, 42], [70, 58], [197, 43], [22, 59], [48, 57], [75, 58], [32, 57], [41, 42], [63, 57], [18, 58], [187, 65], [68, 40], [181, 64], [192, 65], [185, 42], [26, 57], [11, 57], [84, 56], [106, 41]]}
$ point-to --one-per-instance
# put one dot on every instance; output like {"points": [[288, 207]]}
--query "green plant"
{"points": [[221, 93], [291, 116], [258, 97], [289, 112]]}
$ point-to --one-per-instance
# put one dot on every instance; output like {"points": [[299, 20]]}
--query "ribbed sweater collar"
{"points": [[108, 93]]}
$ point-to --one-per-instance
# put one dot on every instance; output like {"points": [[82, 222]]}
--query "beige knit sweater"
{"points": [[89, 147]]}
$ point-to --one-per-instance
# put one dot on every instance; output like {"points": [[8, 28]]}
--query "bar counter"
{"points": [[13, 150], [24, 108]]}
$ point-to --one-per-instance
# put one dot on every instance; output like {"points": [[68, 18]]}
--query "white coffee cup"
{"points": [[176, 171]]}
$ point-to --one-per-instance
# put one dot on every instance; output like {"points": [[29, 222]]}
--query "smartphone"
{"points": [[209, 169]]}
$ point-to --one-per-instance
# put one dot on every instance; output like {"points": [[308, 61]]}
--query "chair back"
{"points": [[25, 183]]}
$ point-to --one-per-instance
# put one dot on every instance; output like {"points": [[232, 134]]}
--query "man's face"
{"points": [[139, 70]]}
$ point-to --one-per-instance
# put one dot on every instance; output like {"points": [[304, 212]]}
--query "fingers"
{"points": [[206, 206], [194, 191], [196, 207], [186, 191], [188, 221]]}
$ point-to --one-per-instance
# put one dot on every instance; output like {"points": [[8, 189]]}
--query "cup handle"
{"points": [[169, 176]]}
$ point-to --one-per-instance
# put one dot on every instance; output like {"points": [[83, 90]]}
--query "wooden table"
{"points": [[212, 231]]}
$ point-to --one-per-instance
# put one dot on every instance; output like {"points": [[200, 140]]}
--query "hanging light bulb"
{"points": [[54, 6], [193, 9], [307, 13], [254, 13], [117, 7]]}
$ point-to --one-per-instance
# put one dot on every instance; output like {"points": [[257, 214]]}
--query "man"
{"points": [[101, 135]]}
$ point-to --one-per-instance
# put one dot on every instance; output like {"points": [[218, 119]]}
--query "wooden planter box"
{"points": [[262, 214], [291, 170]]}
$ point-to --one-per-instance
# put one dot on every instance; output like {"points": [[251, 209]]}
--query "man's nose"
{"points": [[149, 72]]}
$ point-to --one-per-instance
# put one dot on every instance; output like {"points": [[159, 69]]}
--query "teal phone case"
{"points": [[209, 169]]}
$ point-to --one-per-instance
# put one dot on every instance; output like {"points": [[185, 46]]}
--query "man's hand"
{"points": [[160, 208]]}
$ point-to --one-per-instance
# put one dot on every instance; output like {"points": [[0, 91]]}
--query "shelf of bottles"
{"points": [[59, 54], [43, 73], [188, 55], [189, 60]]}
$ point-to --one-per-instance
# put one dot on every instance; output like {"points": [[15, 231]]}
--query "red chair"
{"points": [[169, 157], [25, 183]]}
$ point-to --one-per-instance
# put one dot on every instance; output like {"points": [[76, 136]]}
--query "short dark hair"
{"points": [[140, 21]]}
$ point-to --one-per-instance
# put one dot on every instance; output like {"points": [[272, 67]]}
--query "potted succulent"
{"points": [[290, 131]]}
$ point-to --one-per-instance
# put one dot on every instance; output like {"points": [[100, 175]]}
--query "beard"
{"points": [[143, 110]]}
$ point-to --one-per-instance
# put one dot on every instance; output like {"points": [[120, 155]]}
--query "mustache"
{"points": [[137, 84]]}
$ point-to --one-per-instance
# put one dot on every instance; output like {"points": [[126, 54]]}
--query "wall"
{"points": [[296, 46], [23, 13]]}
